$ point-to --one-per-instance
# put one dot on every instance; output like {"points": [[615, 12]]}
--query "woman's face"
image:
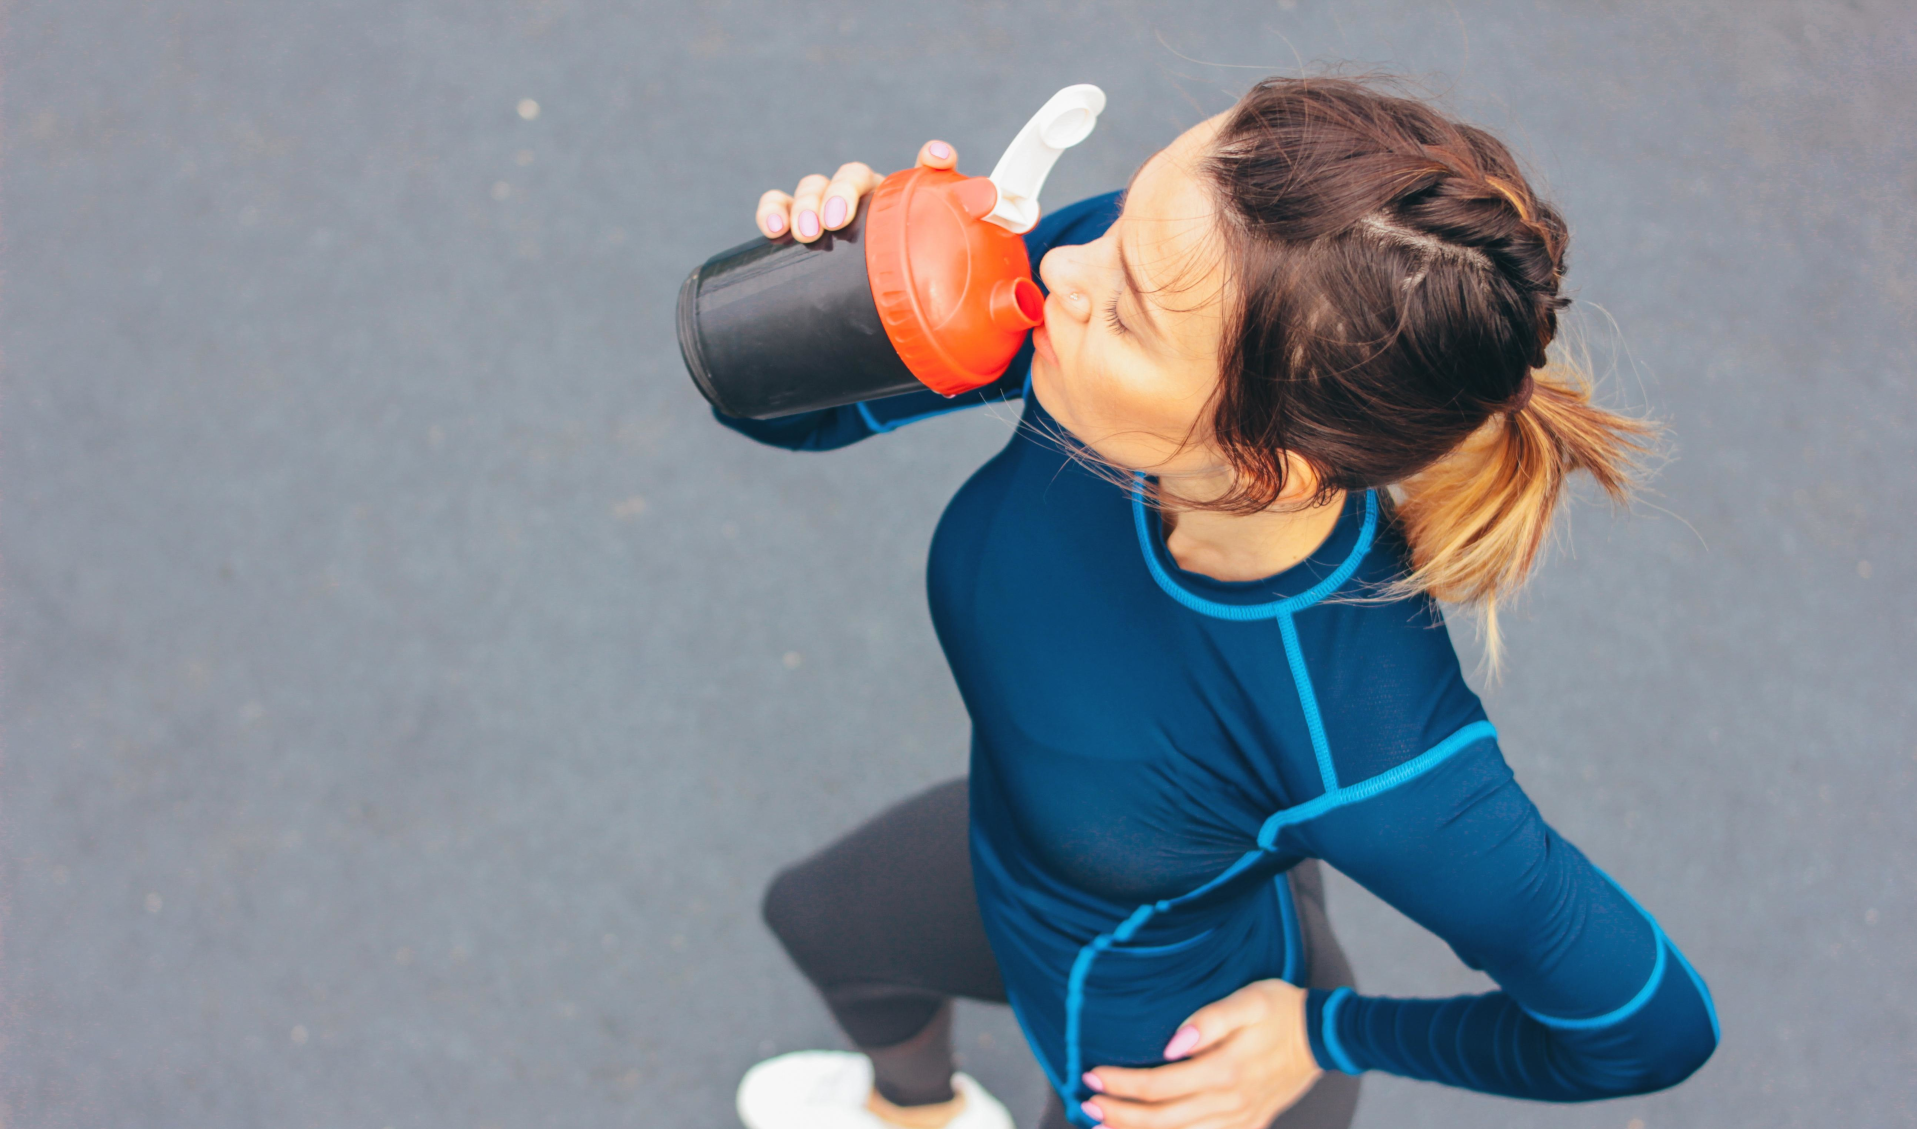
{"points": [[1128, 358]]}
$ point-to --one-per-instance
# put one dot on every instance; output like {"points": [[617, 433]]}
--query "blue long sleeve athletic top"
{"points": [[1153, 749]]}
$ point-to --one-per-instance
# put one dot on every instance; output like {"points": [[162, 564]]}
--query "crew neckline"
{"points": [[1298, 587]]}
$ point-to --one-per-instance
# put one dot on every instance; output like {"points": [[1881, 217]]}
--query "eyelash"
{"points": [[1111, 318]]}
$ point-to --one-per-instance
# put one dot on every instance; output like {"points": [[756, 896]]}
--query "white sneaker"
{"points": [[827, 1090]]}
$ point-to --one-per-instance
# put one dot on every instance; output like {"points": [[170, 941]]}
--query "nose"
{"points": [[1063, 270]]}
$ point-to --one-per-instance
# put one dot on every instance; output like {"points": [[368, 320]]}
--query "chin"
{"points": [[1044, 373], [1051, 386]]}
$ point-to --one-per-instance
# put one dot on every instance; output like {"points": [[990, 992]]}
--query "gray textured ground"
{"points": [[407, 689]]}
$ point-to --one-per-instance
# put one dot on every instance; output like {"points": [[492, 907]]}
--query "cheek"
{"points": [[1143, 397], [1128, 411], [1075, 384]]}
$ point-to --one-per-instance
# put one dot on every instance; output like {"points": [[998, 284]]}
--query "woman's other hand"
{"points": [[1239, 1063], [819, 205]]}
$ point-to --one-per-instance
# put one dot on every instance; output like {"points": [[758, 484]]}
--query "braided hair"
{"points": [[1396, 288]]}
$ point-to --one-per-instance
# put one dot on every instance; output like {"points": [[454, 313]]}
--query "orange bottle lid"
{"points": [[954, 292]]}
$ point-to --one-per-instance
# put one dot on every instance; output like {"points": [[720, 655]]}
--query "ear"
{"points": [[1301, 483]]}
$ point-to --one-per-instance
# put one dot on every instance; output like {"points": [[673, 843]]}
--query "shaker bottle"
{"points": [[929, 286]]}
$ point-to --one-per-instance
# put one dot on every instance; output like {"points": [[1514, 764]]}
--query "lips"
{"points": [[1042, 344]]}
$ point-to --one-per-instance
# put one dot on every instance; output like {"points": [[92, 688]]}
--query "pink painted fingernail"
{"points": [[1182, 1043], [775, 223], [939, 150], [835, 211], [808, 224], [1092, 1111], [1092, 1083]]}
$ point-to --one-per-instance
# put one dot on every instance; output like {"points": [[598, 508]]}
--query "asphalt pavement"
{"points": [[406, 689]]}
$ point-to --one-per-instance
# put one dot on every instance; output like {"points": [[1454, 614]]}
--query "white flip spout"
{"points": [[1064, 121]]}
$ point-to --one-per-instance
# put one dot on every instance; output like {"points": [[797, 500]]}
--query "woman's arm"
{"points": [[830, 428], [1596, 1002]]}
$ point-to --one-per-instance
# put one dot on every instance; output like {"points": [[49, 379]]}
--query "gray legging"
{"points": [[885, 924]]}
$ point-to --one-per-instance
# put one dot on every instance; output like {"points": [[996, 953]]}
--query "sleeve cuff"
{"points": [[1323, 1011]]}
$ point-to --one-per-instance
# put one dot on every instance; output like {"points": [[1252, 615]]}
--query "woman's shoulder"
{"points": [[1383, 668]]}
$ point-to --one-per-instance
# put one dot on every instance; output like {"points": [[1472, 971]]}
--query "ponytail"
{"points": [[1399, 286], [1477, 519]]}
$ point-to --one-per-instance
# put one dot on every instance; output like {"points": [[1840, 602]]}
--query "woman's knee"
{"points": [[790, 909]]}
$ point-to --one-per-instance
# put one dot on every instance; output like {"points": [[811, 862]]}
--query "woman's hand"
{"points": [[1239, 1063], [819, 205]]}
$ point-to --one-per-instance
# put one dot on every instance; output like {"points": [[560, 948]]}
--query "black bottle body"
{"points": [[775, 327]]}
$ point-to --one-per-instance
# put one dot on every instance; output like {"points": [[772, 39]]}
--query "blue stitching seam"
{"points": [[1294, 972], [880, 427], [1703, 991], [1415, 767], [1308, 701], [986, 858], [1328, 1028], [1244, 612], [1267, 835], [1177, 946], [1710, 1005], [1082, 964], [1623, 1011], [1075, 989], [1631, 1006]]}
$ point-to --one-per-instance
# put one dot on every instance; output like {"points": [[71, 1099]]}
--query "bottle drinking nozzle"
{"points": [[1060, 123], [929, 286]]}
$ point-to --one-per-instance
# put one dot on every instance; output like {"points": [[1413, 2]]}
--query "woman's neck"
{"points": [[1248, 546]]}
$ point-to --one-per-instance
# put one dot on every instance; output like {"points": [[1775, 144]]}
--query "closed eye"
{"points": [[1112, 318]]}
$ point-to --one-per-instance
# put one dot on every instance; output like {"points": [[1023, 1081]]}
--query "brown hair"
{"points": [[1396, 286]]}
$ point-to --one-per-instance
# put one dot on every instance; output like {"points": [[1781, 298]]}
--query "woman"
{"points": [[1292, 389]]}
